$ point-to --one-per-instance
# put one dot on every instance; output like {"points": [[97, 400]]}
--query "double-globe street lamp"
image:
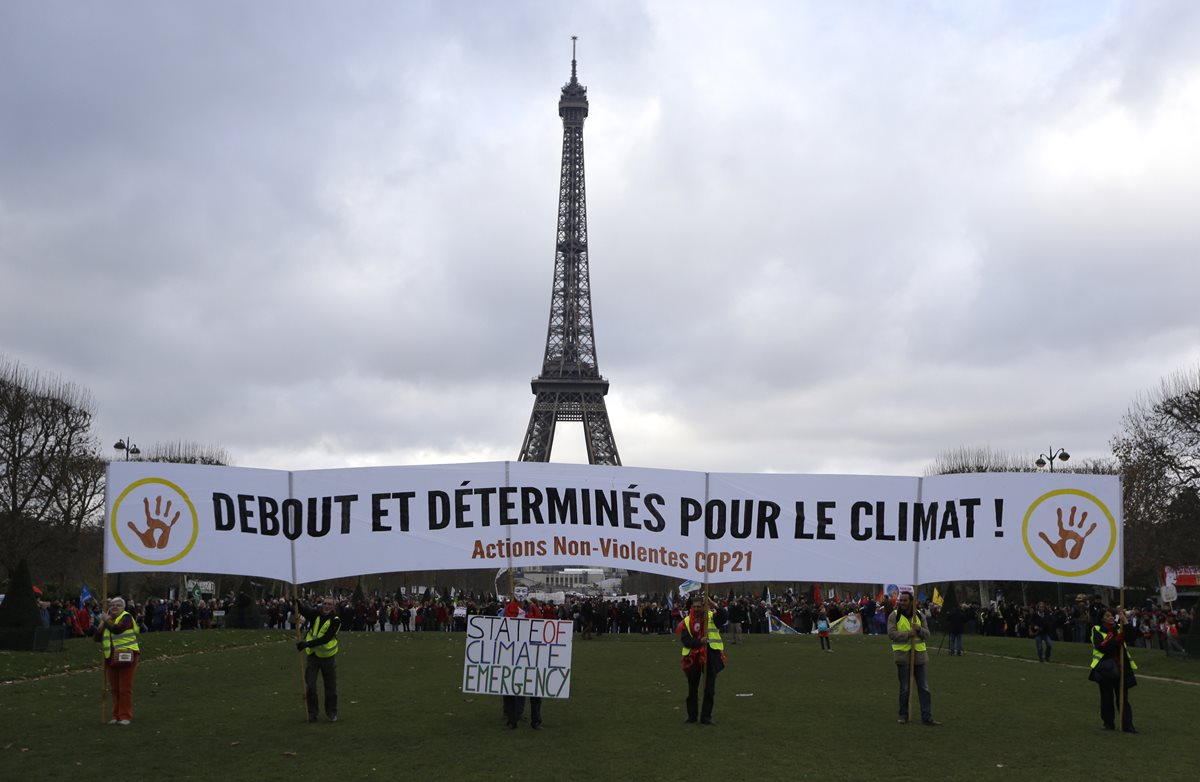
{"points": [[1059, 454], [1042, 461], [130, 450]]}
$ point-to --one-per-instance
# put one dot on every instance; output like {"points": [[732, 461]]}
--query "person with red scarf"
{"points": [[703, 654], [1109, 654]]}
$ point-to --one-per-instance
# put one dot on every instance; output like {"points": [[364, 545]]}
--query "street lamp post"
{"points": [[1059, 454], [1042, 461], [130, 450]]}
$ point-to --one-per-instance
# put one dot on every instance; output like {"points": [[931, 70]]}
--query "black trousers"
{"points": [[1108, 705], [514, 707], [327, 666], [710, 692]]}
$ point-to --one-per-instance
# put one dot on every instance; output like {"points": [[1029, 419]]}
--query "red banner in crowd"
{"points": [[1181, 575]]}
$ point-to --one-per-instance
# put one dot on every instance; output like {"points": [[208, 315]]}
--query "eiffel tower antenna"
{"points": [[570, 387]]}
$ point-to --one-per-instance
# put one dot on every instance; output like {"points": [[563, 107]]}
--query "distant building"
{"points": [[581, 580]]}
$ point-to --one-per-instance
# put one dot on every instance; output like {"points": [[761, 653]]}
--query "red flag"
{"points": [[817, 595]]}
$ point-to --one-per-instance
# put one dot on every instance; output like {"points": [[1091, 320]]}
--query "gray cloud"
{"points": [[822, 239]]}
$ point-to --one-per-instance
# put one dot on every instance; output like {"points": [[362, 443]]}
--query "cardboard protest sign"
{"points": [[523, 657]]}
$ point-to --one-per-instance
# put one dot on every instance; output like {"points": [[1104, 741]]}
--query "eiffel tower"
{"points": [[570, 387]]}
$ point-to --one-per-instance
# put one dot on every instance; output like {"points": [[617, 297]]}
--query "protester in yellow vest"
{"points": [[1108, 648], [321, 645], [909, 632], [117, 634], [703, 654]]}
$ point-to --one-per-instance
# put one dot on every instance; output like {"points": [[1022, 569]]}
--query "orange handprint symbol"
{"points": [[1068, 534], [155, 526]]}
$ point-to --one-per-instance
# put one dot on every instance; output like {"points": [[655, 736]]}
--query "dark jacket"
{"points": [[1110, 646]]}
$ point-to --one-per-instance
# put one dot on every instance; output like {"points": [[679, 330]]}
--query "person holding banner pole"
{"points": [[1112, 669], [703, 654], [118, 634], [909, 634], [320, 644]]}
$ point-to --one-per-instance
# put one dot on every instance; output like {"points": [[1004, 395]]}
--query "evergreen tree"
{"points": [[20, 609]]}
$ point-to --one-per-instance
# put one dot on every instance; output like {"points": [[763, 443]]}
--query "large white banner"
{"points": [[712, 527]]}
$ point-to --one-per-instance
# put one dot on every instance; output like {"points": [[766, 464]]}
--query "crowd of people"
{"points": [[81, 617], [1155, 627]]}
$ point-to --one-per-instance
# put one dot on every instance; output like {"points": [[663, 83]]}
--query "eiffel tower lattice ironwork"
{"points": [[570, 387]]}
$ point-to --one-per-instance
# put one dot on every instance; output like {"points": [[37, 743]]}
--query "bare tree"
{"points": [[1162, 428], [183, 452], [967, 459], [1159, 453], [51, 473]]}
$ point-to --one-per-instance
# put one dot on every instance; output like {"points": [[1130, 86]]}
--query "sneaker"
{"points": [[931, 723], [112, 722], [122, 722], [902, 720], [536, 725], [333, 718]]}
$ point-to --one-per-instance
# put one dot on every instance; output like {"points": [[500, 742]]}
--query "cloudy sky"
{"points": [[825, 237]]}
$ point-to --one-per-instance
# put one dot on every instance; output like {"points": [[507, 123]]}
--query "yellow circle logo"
{"points": [[1070, 536], [159, 530]]}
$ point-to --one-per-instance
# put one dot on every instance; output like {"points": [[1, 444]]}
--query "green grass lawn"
{"points": [[226, 705]]}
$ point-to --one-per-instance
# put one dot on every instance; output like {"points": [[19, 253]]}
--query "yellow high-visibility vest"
{"points": [[120, 642], [714, 635], [315, 631], [904, 626]]}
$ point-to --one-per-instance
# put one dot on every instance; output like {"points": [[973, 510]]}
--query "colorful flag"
{"points": [[937, 597], [85, 595], [817, 595], [778, 627], [689, 586]]}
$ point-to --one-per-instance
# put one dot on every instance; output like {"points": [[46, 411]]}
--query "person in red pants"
{"points": [[118, 637]]}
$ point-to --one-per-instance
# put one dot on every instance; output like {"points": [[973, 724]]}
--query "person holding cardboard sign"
{"points": [[117, 633]]}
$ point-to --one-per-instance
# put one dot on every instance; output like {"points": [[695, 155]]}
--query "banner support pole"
{"points": [[1121, 648], [912, 643], [104, 590], [1121, 657], [296, 609], [704, 591], [103, 668]]}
